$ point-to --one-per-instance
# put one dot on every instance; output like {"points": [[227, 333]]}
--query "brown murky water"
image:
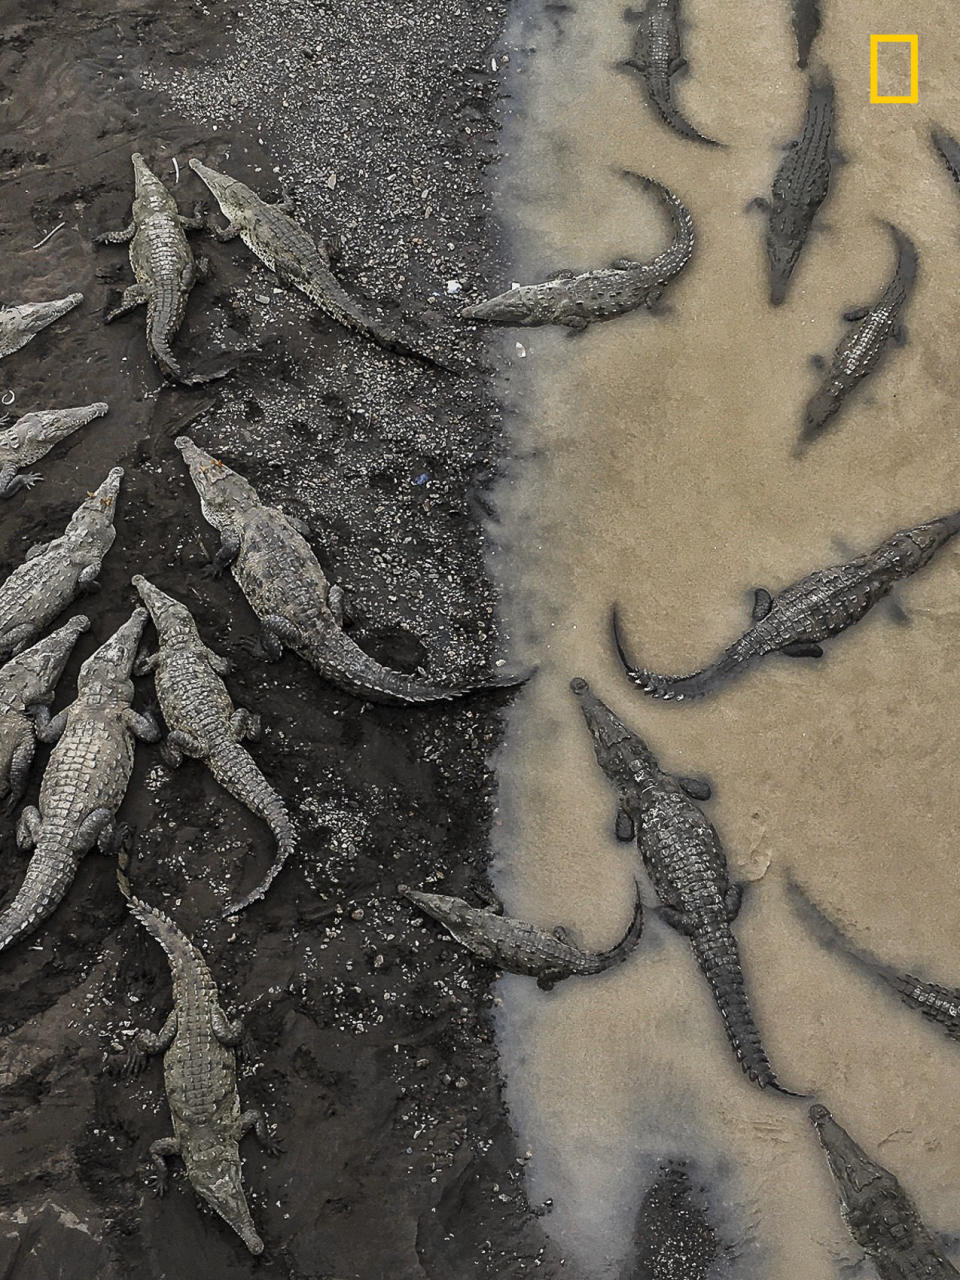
{"points": [[654, 468]]}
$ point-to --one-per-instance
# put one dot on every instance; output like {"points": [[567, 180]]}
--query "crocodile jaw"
{"points": [[220, 188], [51, 425], [169, 615], [216, 1179], [507, 308], [143, 176], [111, 665], [222, 492], [852, 1169]]}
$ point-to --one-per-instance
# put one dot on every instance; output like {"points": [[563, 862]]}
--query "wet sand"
{"points": [[654, 468]]}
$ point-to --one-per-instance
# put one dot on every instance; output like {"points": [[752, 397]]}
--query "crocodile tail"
{"points": [[49, 876], [674, 688], [617, 954], [661, 95], [949, 150], [180, 951], [234, 769], [718, 958]]}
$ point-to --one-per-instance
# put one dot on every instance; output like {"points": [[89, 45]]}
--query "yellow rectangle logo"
{"points": [[875, 43]]}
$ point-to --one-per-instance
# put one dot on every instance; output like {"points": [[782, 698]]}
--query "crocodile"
{"points": [[27, 682], [276, 569], [198, 1043], [33, 436], [284, 247], [821, 605], [938, 1004], [20, 323], [949, 150], [85, 779], [806, 27], [164, 268], [685, 861], [519, 947], [203, 723], [54, 573], [859, 351], [879, 1214], [799, 187], [658, 56], [577, 300]]}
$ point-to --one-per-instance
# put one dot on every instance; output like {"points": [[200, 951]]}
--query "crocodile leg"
{"points": [[146, 663], [245, 725], [160, 1152], [18, 638], [856, 313], [227, 1032], [335, 604], [123, 236], [96, 827], [179, 744], [143, 726], [802, 650], [227, 552], [677, 920], [195, 221], [49, 728], [28, 827], [133, 296], [146, 1043], [696, 788], [20, 764], [624, 828], [278, 633], [87, 580], [225, 234], [732, 901], [254, 1119], [218, 663], [762, 603]]}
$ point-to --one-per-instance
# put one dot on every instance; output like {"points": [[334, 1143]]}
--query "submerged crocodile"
{"points": [[938, 1004], [879, 1214], [806, 27], [685, 861], [284, 246], [859, 352], [163, 266], [54, 573], [577, 300], [28, 682], [33, 436], [203, 723], [298, 609], [519, 947], [84, 782], [658, 55], [198, 1044], [799, 187], [821, 605], [21, 323], [949, 150]]}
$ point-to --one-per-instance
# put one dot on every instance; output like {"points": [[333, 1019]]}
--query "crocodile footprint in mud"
{"points": [[577, 300], [821, 605], [685, 861]]}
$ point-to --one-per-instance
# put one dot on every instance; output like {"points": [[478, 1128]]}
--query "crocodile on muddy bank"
{"points": [[32, 437], [578, 299], [198, 1043], [800, 187], [203, 723], [879, 1214], [860, 350], [805, 17], [819, 606], [519, 947], [276, 569], [18, 324], [658, 56], [685, 861]]}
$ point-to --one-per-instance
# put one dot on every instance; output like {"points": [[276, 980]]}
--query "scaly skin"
{"points": [[27, 683], [806, 26], [658, 56], [283, 246], [936, 1003], [949, 151], [84, 782], [163, 266], [200, 1077], [879, 1214], [799, 187], [203, 723], [54, 573], [298, 609], [519, 947], [33, 436], [819, 606], [685, 861], [577, 301], [859, 352], [21, 323]]}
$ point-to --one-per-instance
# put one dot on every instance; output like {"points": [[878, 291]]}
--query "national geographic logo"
{"points": [[912, 43]]}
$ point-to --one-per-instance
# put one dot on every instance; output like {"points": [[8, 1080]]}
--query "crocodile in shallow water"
{"points": [[578, 299], [32, 437], [298, 609], [879, 1214], [860, 350], [685, 861], [164, 268], [799, 187], [519, 947], [203, 723], [821, 605], [20, 323], [658, 56], [84, 782], [198, 1043], [806, 26], [54, 573]]}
